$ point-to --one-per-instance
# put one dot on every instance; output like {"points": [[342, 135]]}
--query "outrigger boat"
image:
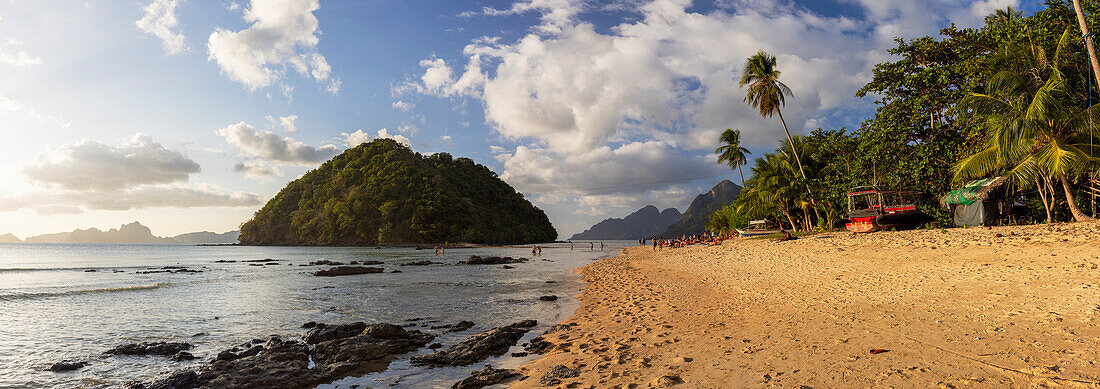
{"points": [[872, 209], [756, 228]]}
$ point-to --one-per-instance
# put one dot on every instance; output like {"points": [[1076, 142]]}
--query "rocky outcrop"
{"points": [[492, 343], [556, 374], [420, 263], [347, 271], [643, 223], [150, 348], [486, 377], [699, 211], [336, 351], [67, 365], [477, 260], [456, 327]]}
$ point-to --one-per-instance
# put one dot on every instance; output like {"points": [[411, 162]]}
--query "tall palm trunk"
{"points": [[790, 219], [1077, 214], [1088, 42], [799, 161], [742, 173]]}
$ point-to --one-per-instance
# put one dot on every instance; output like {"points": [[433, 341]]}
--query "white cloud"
{"points": [[555, 13], [270, 147], [257, 170], [635, 109], [359, 137], [91, 165], [10, 105], [20, 59], [286, 122], [160, 21], [631, 168], [154, 196], [438, 78], [403, 105], [983, 8], [140, 173], [284, 33]]}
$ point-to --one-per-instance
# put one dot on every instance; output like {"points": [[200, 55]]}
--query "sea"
{"points": [[76, 301]]}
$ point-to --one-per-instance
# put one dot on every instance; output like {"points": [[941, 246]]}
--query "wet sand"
{"points": [[978, 307]]}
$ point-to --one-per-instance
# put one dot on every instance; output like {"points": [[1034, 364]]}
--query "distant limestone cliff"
{"points": [[133, 233], [207, 237], [700, 209], [381, 192], [128, 233], [644, 223]]}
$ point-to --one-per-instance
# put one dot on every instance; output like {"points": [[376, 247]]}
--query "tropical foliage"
{"points": [[1010, 98], [383, 192]]}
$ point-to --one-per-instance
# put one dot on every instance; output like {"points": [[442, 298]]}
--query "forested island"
{"points": [[382, 192]]}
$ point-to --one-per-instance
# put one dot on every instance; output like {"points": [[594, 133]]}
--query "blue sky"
{"points": [[187, 115]]}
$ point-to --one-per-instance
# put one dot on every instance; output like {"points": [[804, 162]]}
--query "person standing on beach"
{"points": [[591, 246], [570, 245], [601, 246]]}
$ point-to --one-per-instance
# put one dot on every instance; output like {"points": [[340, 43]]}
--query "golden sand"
{"points": [[979, 307]]}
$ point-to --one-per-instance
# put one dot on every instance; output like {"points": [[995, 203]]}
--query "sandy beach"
{"points": [[978, 307]]}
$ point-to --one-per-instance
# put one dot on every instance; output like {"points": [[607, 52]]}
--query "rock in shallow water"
{"points": [[486, 377], [323, 332], [456, 327], [476, 260], [67, 365], [150, 348], [347, 271], [492, 343], [337, 351]]}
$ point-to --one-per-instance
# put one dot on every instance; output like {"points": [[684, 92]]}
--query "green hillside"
{"points": [[382, 192]]}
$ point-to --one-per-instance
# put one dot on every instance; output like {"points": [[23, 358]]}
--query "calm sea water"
{"points": [[52, 308]]}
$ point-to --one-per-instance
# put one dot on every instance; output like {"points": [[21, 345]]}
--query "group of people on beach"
{"points": [[687, 240], [536, 250]]}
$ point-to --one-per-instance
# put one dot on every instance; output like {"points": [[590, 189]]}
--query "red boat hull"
{"points": [[862, 224]]}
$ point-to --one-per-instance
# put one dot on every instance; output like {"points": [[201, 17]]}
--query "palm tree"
{"points": [[768, 95], [1088, 42], [731, 153], [1031, 129], [772, 188]]}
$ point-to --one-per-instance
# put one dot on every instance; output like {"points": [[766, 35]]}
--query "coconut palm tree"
{"points": [[731, 153], [768, 95], [772, 187], [1031, 124]]}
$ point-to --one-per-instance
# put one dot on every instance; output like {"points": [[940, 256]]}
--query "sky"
{"points": [[188, 115]]}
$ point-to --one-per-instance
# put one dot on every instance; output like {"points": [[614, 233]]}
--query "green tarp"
{"points": [[968, 194]]}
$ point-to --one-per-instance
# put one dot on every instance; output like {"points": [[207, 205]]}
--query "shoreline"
{"points": [[1001, 306]]}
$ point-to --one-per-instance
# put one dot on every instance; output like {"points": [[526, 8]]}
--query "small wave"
{"points": [[33, 295]]}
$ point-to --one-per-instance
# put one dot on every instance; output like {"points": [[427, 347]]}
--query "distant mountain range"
{"points": [[644, 223], [648, 222], [700, 209], [133, 233]]}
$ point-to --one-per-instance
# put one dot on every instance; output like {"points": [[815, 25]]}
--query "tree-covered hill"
{"points": [[382, 192]]}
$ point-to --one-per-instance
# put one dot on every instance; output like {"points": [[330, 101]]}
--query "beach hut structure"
{"points": [[978, 203]]}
